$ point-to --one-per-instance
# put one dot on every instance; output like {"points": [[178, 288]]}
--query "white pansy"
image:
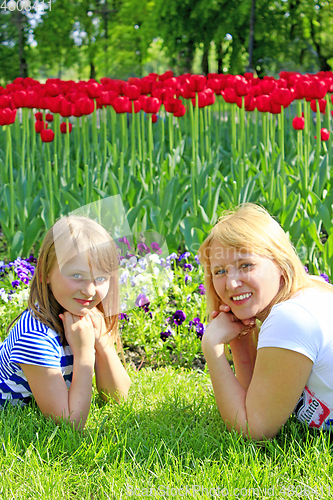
{"points": [[154, 258], [133, 260], [156, 271], [124, 276]]}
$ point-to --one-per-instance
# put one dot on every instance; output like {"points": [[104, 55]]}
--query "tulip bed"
{"points": [[177, 149]]}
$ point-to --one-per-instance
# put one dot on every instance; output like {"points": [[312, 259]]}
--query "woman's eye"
{"points": [[247, 266], [77, 275], [220, 272]]}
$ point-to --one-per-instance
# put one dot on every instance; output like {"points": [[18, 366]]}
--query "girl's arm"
{"points": [[278, 379], [48, 386], [111, 376]]}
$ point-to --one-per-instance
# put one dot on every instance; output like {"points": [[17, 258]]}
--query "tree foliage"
{"points": [[114, 37]]}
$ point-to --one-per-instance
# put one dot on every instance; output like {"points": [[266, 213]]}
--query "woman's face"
{"points": [[78, 286], [246, 282]]}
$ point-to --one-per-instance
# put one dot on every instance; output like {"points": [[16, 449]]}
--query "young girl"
{"points": [[253, 273], [69, 327]]}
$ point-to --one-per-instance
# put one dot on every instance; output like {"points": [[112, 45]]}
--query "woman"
{"points": [[253, 275]]}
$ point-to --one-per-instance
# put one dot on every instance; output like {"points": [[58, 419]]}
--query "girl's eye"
{"points": [[101, 279], [77, 275], [220, 272]]}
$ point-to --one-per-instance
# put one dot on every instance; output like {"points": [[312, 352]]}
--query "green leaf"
{"points": [[17, 245], [192, 234], [31, 235]]}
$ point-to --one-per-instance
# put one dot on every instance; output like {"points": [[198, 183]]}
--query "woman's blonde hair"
{"points": [[68, 237], [251, 228]]}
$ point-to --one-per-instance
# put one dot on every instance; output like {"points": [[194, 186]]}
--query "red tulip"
{"points": [[7, 116], [132, 92], [197, 83], [263, 103], [165, 76], [282, 97], [85, 106], [94, 89], [54, 103], [39, 126], [275, 109], [151, 105], [298, 123], [322, 105], [39, 116], [186, 92], [52, 89], [267, 86], [120, 104], [47, 135], [137, 106], [172, 105], [181, 111], [324, 134], [229, 95], [154, 118], [63, 127], [241, 86], [67, 109], [49, 117], [248, 100], [318, 89], [6, 102]]}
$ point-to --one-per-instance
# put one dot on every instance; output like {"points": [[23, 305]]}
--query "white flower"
{"points": [[143, 263], [3, 295], [154, 258], [156, 271], [133, 260]]}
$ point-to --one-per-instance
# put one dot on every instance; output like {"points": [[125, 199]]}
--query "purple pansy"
{"points": [[166, 334], [179, 317], [202, 289]]}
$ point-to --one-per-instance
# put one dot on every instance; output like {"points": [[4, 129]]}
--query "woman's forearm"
{"points": [[229, 394], [111, 376], [244, 351]]}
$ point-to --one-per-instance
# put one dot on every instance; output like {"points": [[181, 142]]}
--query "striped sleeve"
{"points": [[36, 348]]}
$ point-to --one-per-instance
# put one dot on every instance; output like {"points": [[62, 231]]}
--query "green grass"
{"points": [[167, 435]]}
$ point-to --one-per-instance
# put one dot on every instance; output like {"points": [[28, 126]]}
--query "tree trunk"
{"points": [[92, 71], [251, 36], [220, 55], [204, 62]]}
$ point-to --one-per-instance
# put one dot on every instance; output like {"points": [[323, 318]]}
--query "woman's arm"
{"points": [[111, 376], [244, 353], [48, 386], [278, 379]]}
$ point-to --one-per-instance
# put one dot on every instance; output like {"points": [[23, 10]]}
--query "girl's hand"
{"points": [[79, 332], [98, 322]]}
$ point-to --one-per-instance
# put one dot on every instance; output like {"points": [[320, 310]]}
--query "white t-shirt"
{"points": [[305, 324]]}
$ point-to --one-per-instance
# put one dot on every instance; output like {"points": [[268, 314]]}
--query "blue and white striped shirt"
{"points": [[33, 343]]}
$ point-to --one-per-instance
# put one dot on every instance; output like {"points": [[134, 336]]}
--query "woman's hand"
{"points": [[225, 327]]}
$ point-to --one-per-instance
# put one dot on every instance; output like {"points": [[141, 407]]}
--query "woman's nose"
{"points": [[233, 281]]}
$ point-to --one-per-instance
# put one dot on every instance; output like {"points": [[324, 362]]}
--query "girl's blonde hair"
{"points": [[68, 237], [250, 228]]}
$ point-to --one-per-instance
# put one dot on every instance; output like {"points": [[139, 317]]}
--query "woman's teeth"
{"points": [[242, 297]]}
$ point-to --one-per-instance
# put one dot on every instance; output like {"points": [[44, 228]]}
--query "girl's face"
{"points": [[246, 282], [78, 287]]}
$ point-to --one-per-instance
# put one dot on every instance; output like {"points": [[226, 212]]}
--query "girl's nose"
{"points": [[89, 289]]}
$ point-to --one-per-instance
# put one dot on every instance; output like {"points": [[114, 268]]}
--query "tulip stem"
{"points": [[68, 151], [151, 148], [133, 139], [11, 180], [170, 132], [139, 135], [202, 133]]}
